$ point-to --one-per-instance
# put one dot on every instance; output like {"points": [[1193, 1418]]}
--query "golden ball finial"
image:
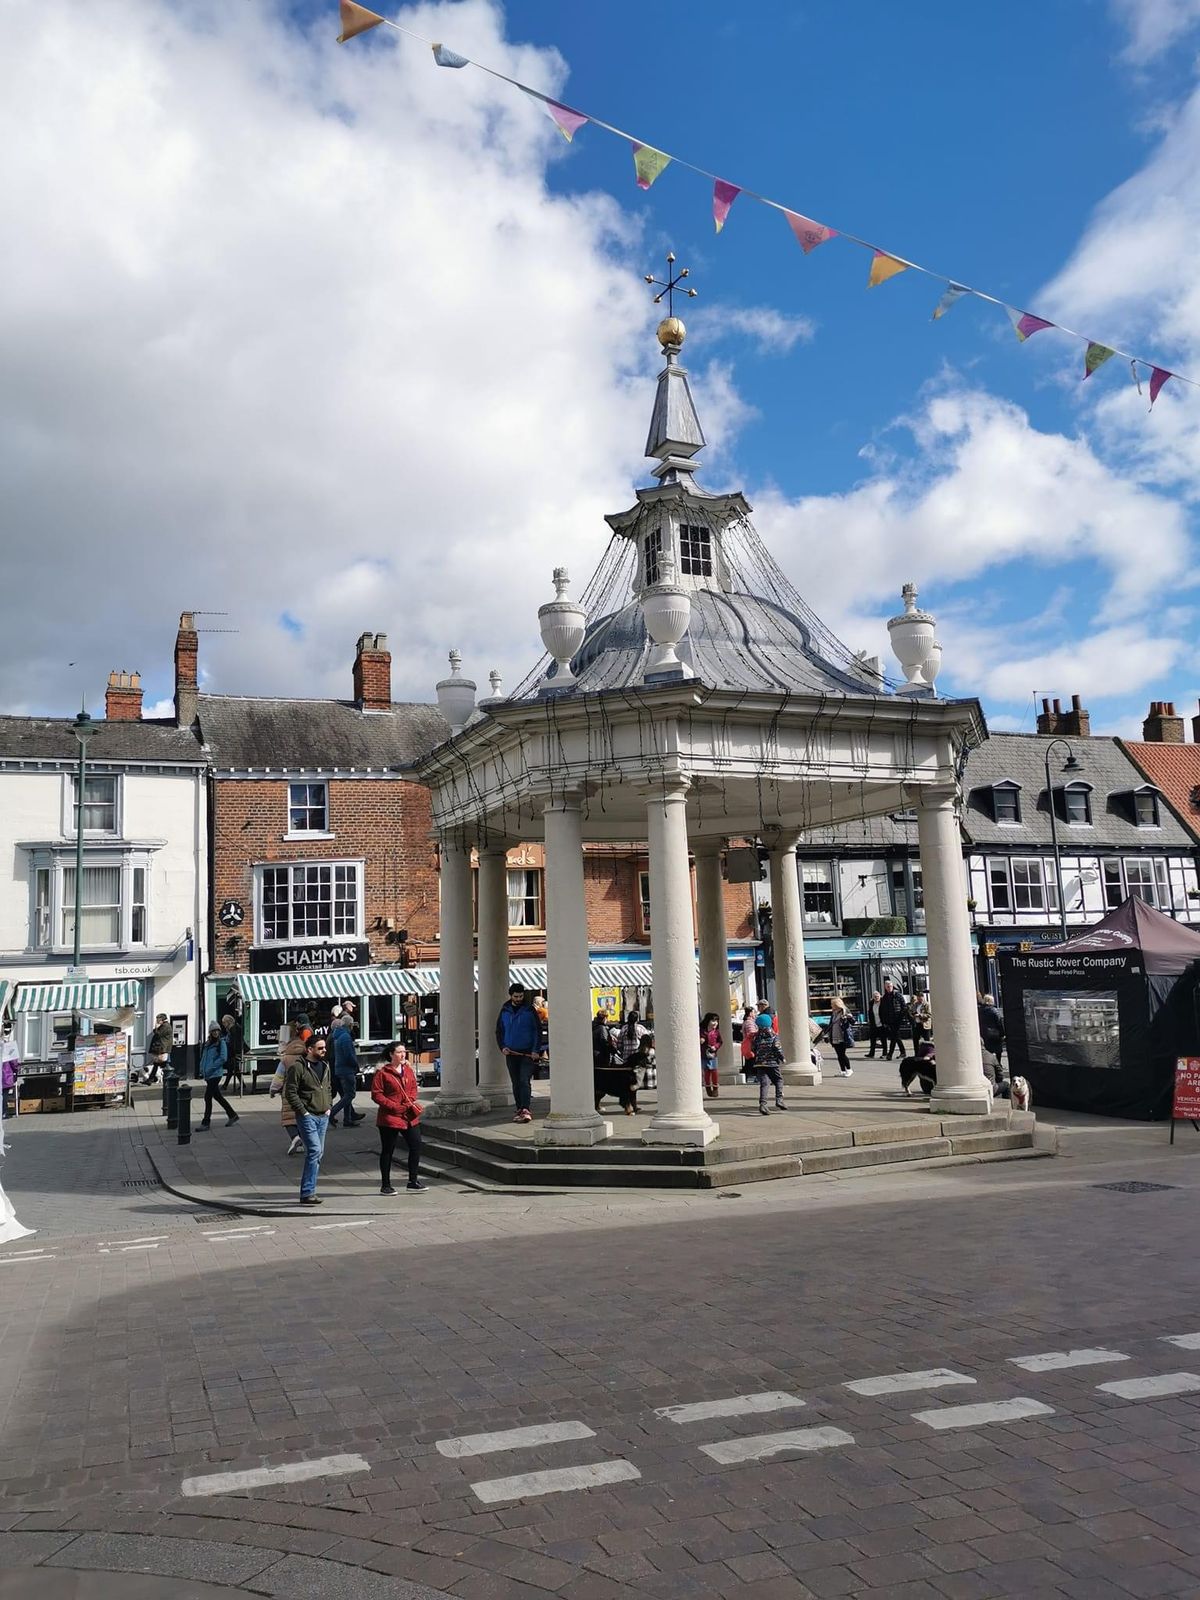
{"points": [[671, 331]]}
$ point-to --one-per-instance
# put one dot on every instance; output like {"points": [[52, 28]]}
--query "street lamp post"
{"points": [[1069, 765], [81, 728]]}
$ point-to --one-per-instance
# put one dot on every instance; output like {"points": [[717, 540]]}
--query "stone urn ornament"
{"points": [[667, 610], [456, 695], [563, 623], [914, 644]]}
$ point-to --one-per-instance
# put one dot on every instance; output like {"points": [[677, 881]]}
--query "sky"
{"points": [[317, 339]]}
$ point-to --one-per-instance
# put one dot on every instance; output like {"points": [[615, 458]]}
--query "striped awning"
{"points": [[342, 982], [5, 986], [84, 997]]}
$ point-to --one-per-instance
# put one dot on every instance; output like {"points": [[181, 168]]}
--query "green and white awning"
{"points": [[83, 997], [340, 983], [5, 986]]}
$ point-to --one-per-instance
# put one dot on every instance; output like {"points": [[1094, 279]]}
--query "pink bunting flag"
{"points": [[1024, 325], [724, 194], [809, 234], [1158, 377], [648, 163], [567, 122]]}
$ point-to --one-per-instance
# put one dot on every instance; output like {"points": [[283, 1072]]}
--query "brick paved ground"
{"points": [[220, 1348]]}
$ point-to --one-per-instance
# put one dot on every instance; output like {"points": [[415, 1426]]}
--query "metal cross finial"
{"points": [[670, 284]]}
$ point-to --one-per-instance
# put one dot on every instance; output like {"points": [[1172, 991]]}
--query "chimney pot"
{"points": [[123, 697]]}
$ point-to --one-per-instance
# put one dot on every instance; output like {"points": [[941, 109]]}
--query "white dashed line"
{"points": [[359, 1222], [904, 1382], [740, 1405], [558, 1481], [729, 1451], [10, 1261], [1152, 1388], [240, 1238], [122, 1244], [484, 1444], [1058, 1360], [986, 1411], [1185, 1341], [259, 1477], [223, 1229]]}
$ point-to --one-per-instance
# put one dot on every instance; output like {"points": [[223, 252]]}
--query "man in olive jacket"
{"points": [[308, 1090]]}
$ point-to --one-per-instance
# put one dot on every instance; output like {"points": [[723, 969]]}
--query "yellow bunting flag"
{"points": [[648, 163], [1097, 355], [884, 267], [356, 19]]}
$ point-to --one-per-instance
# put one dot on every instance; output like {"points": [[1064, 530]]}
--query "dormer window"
{"points": [[695, 551], [1145, 808], [1077, 804], [1006, 802], [652, 553]]}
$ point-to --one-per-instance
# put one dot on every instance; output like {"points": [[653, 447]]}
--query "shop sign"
{"points": [[1186, 1105], [136, 969], [309, 957], [880, 946]]}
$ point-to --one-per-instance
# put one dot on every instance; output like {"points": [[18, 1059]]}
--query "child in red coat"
{"points": [[394, 1091]]}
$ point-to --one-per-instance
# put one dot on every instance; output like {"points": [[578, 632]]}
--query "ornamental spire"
{"points": [[675, 432]]}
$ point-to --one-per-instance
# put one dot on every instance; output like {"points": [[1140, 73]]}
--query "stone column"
{"points": [[573, 1117], [494, 1083], [961, 1085], [714, 948], [791, 974], [458, 1095], [681, 1118]]}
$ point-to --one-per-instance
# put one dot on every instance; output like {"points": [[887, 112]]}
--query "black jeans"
{"points": [[843, 1059], [893, 1035], [347, 1087], [387, 1148], [520, 1070], [212, 1091]]}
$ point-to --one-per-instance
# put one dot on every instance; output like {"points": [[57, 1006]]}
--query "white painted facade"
{"points": [[145, 876], [1012, 890]]}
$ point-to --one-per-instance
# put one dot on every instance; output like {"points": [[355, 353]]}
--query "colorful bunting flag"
{"points": [[445, 57], [1024, 325], [1158, 377], [356, 19], [884, 267], [954, 291], [648, 164], [809, 234], [1097, 355], [724, 194], [567, 122]]}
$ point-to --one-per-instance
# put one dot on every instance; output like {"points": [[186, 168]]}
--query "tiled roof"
{"points": [[1175, 768], [1103, 763], [298, 735], [51, 739]]}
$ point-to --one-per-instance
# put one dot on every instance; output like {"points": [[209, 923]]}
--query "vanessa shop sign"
{"points": [[310, 957]]}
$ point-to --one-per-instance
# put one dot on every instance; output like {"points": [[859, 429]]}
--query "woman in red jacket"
{"points": [[394, 1091]]}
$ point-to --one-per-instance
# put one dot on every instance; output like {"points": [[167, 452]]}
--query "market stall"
{"points": [[90, 1066], [1096, 1023]]}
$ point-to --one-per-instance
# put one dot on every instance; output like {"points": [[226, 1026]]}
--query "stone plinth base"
{"points": [[565, 1128], [968, 1102], [469, 1103], [496, 1096], [802, 1073], [682, 1134]]}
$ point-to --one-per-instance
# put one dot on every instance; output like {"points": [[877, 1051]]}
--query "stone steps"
{"points": [[500, 1162]]}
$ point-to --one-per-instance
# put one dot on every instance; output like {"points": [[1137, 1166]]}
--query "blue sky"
{"points": [[331, 339]]}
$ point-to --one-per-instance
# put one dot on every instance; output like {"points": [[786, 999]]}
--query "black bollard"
{"points": [[185, 1113], [166, 1078], [172, 1100]]}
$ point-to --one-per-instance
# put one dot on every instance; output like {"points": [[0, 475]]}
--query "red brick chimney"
{"points": [[187, 683], [1076, 721], [373, 673], [123, 697], [1163, 726]]}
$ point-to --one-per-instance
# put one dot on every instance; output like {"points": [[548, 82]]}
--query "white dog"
{"points": [[1021, 1095]]}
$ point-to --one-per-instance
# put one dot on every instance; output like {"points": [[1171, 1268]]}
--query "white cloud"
{"points": [[1155, 25], [288, 327], [772, 332]]}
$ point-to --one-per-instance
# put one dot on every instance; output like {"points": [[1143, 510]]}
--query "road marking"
{"points": [[1152, 1388], [1185, 1341], [986, 1411], [364, 1222], [740, 1405], [903, 1382], [728, 1451], [259, 1477], [240, 1238], [227, 1227], [121, 1244], [485, 1444], [9, 1261], [1057, 1360], [557, 1481]]}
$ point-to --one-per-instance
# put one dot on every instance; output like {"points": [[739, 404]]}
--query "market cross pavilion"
{"points": [[690, 699]]}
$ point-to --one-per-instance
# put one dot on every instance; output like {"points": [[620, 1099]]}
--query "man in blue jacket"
{"points": [[519, 1035], [345, 1068]]}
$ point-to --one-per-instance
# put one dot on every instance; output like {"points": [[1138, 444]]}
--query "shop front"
{"points": [[996, 943], [855, 967]]}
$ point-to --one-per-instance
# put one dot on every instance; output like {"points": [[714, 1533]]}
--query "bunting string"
{"points": [[650, 163]]}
